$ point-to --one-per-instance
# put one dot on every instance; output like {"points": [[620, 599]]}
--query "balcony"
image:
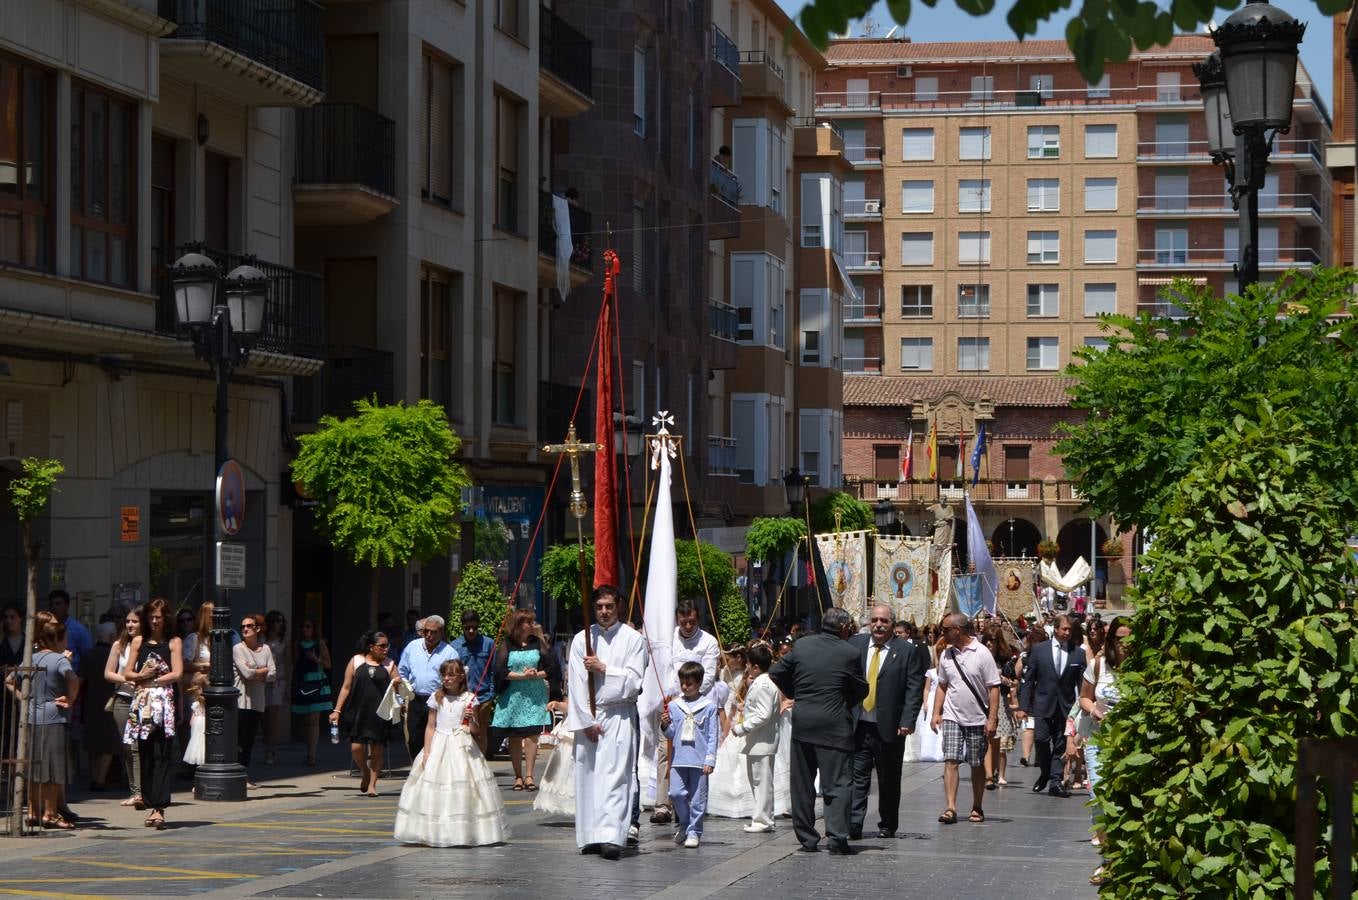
{"points": [[1302, 152], [723, 204], [721, 456], [863, 365], [350, 373], [863, 210], [565, 68], [294, 324], [723, 70], [761, 76], [582, 241], [258, 52], [867, 311], [1302, 206], [346, 165], [863, 261], [997, 491], [721, 349], [1197, 258], [850, 103], [863, 157]]}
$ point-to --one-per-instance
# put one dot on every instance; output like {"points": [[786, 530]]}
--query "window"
{"points": [[886, 462], [973, 195], [504, 387], [757, 286], [1044, 353], [1101, 298], [1171, 246], [1098, 90], [856, 92], [917, 196], [1044, 194], [917, 144], [973, 301], [103, 165], [1044, 247], [1101, 246], [917, 301], [1101, 141], [162, 209], [1042, 84], [26, 105], [1171, 134], [1044, 141], [973, 355], [983, 87], [917, 249], [1043, 300], [639, 61], [1171, 190], [436, 129], [926, 89], [917, 353], [973, 247], [436, 328], [759, 159], [508, 15], [974, 143], [217, 200], [815, 191], [1101, 194], [1015, 464], [640, 246], [696, 114], [1167, 87], [1096, 343], [507, 164], [815, 320]]}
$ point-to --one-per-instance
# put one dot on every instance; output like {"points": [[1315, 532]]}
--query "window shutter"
{"points": [[1015, 464], [439, 129], [886, 462]]}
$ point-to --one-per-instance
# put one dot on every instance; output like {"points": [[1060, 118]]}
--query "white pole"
{"points": [[1093, 557]]}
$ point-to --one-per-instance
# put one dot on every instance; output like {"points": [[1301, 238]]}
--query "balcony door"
{"points": [[351, 69]]}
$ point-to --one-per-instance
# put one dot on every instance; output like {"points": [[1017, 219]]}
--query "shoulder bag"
{"points": [[985, 706]]}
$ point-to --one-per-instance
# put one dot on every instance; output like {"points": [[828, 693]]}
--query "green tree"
{"points": [[561, 572], [30, 493], [770, 538], [1197, 789], [1164, 389], [1101, 32], [733, 619], [387, 482], [492, 539], [480, 590], [854, 514]]}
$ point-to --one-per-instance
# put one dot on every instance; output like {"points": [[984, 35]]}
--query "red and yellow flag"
{"points": [[931, 450]]}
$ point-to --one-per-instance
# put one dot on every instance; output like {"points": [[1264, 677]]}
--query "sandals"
{"points": [[977, 815], [949, 817], [518, 785], [132, 801], [529, 785], [992, 783], [56, 822]]}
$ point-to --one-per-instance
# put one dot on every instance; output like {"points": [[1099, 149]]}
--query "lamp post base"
{"points": [[223, 782]]}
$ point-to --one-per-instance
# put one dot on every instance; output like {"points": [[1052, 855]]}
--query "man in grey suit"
{"points": [[1051, 682], [823, 676], [894, 670]]}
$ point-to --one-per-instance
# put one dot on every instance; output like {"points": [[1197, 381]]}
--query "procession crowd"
{"points": [[792, 723]]}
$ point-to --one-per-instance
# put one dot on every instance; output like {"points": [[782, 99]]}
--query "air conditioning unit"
{"points": [[903, 71], [872, 207]]}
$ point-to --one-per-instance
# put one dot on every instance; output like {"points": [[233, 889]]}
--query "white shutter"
{"points": [[1101, 141], [916, 144], [813, 231], [1101, 298], [1101, 194], [745, 158], [917, 196], [917, 249]]}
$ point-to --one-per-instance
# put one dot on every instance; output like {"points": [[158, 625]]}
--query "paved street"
{"points": [[308, 833]]}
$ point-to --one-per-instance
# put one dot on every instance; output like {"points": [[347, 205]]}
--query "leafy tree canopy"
{"points": [[1165, 389], [31, 491], [480, 590], [387, 481], [733, 619], [561, 572], [772, 537], [1102, 31], [854, 514]]}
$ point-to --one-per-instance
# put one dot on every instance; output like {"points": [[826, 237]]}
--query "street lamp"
{"points": [[222, 316], [1258, 53], [794, 482]]}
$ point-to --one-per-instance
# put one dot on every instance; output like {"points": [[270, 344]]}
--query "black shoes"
{"points": [[1040, 785], [1058, 789], [885, 833], [591, 850], [611, 851], [808, 848], [841, 848], [855, 834]]}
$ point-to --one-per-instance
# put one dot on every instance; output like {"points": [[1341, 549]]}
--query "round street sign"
{"points": [[230, 497]]}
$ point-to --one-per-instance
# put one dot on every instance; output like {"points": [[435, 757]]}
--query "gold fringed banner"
{"points": [[842, 554], [938, 607], [901, 577], [1015, 594]]}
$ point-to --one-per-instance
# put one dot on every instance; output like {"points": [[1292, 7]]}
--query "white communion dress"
{"points": [[930, 741], [450, 798], [556, 790]]}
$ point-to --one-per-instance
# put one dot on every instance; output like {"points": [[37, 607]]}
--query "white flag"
{"points": [[980, 558], [661, 583]]}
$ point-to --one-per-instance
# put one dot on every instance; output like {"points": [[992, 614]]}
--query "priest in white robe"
{"points": [[605, 740]]}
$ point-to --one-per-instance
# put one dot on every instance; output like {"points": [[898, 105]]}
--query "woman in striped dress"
{"points": [[311, 684]]}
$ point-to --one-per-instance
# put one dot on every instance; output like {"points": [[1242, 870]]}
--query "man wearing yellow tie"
{"points": [[894, 670]]}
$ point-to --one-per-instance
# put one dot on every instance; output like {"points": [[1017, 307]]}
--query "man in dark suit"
{"points": [[825, 678], [1051, 682], [894, 669]]}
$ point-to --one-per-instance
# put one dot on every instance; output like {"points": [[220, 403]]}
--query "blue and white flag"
{"points": [[967, 590], [980, 559], [977, 452]]}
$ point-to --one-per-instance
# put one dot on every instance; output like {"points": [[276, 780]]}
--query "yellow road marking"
{"points": [[309, 829], [198, 873], [101, 879], [28, 893]]}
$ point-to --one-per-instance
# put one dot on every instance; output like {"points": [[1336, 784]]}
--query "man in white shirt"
{"points": [[691, 644], [966, 712], [605, 754]]}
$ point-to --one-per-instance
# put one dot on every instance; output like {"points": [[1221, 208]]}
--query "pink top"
{"points": [[978, 666]]}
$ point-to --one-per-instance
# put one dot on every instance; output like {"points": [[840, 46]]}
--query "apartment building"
{"points": [[1339, 153], [1006, 204], [128, 129]]}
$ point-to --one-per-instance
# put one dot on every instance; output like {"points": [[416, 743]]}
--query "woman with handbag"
{"points": [[155, 666], [525, 676], [1098, 695], [310, 666], [365, 684]]}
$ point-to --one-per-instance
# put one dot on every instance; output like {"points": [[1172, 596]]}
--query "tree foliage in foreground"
{"points": [[1243, 643], [733, 619], [1164, 389], [561, 572], [480, 590], [771, 538], [1102, 31], [854, 514]]}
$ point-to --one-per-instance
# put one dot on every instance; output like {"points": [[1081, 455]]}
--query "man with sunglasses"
{"points": [[419, 667], [477, 652]]}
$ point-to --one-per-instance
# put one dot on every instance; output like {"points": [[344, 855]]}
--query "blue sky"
{"points": [[945, 22]]}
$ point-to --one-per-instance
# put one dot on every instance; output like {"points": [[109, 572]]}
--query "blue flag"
{"points": [[976, 455], [967, 589]]}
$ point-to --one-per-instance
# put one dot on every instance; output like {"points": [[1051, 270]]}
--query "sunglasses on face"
{"points": [[248, 626], [381, 646]]}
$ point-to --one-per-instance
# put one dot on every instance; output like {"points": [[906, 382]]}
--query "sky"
{"points": [[945, 22]]}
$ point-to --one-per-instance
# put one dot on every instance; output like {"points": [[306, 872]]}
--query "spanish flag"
{"points": [[931, 450]]}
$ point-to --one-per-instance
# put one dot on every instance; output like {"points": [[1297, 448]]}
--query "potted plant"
{"points": [[1047, 549], [1111, 547]]}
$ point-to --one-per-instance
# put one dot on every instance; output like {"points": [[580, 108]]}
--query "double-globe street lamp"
{"points": [[222, 315], [1247, 88]]}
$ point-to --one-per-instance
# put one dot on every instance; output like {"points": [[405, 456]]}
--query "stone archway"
{"points": [[1015, 538], [1074, 540]]}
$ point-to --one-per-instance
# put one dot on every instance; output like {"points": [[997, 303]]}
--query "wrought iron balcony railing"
{"points": [[287, 36], [344, 143]]}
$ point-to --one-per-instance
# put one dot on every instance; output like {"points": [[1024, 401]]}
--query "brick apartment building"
{"points": [[1339, 154], [999, 204]]}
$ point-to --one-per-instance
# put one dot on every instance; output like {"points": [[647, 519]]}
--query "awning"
{"points": [[1161, 280], [849, 286]]}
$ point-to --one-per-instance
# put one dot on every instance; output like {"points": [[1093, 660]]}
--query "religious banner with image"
{"points": [[901, 577], [942, 584], [967, 594], [1015, 595], [842, 555]]}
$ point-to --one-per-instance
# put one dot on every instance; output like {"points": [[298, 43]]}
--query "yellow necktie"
{"points": [[870, 702]]}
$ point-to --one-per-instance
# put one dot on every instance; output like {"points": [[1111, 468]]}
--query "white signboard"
{"points": [[230, 566]]}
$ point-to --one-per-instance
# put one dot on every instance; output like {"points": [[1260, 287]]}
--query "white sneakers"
{"points": [[691, 843], [756, 828], [633, 834]]}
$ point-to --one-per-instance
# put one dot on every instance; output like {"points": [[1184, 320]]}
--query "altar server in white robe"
{"points": [[605, 741]]}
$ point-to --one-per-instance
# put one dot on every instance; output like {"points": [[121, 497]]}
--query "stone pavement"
{"points": [[308, 833]]}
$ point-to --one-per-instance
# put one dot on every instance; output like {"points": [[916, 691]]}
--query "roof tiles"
{"points": [[904, 390]]}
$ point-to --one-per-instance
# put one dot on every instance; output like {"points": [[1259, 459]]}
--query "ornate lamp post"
{"points": [[794, 482], [222, 317], [1258, 52]]}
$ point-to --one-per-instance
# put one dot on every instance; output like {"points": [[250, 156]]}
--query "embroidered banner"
{"points": [[967, 594], [1015, 595], [901, 577], [842, 554], [942, 581]]}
